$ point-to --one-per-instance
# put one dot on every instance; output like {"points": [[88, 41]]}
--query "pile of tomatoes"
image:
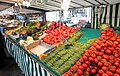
{"points": [[101, 59], [59, 34]]}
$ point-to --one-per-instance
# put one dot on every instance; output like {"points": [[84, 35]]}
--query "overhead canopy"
{"points": [[11, 11], [56, 4]]}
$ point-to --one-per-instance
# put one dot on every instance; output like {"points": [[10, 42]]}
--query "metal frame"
{"points": [[98, 2], [89, 2], [106, 1], [77, 3]]}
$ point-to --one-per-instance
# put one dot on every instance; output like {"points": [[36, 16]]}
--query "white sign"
{"points": [[65, 4]]}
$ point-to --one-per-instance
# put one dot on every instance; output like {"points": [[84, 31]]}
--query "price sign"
{"points": [[65, 4]]}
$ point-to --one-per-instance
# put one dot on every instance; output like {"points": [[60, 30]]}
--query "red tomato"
{"points": [[69, 73], [91, 67], [84, 57], [93, 71], [99, 58], [114, 45], [116, 42], [85, 65], [103, 60], [73, 69], [113, 39], [106, 64], [104, 74], [100, 53], [94, 44], [116, 74], [98, 47], [112, 57], [80, 72], [119, 45], [109, 73], [112, 69], [88, 69], [91, 59], [102, 45], [111, 61], [102, 50], [81, 67], [86, 54], [97, 75], [106, 57], [96, 52], [96, 67], [105, 48], [75, 74], [65, 75], [95, 60], [116, 34], [116, 55], [87, 62], [100, 64], [104, 68], [109, 43], [103, 41], [86, 73], [78, 63], [108, 52], [118, 71], [81, 60], [100, 71], [111, 48], [118, 39], [93, 55], [116, 64]]}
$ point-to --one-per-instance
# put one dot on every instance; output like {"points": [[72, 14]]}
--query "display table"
{"points": [[30, 64]]}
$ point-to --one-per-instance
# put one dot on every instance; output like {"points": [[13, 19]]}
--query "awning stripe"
{"points": [[101, 16], [110, 21], [105, 15], [118, 20], [110, 14], [116, 14], [93, 17], [113, 15]]}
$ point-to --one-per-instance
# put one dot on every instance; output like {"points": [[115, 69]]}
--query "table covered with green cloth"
{"points": [[32, 66]]}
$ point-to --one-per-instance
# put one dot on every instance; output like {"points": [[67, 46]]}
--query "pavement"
{"points": [[10, 68]]}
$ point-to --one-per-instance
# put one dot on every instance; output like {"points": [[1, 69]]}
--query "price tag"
{"points": [[42, 56], [59, 44]]}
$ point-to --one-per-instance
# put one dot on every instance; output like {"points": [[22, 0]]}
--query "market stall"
{"points": [[54, 49]]}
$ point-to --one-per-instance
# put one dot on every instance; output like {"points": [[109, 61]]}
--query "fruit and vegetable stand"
{"points": [[63, 59], [54, 49]]}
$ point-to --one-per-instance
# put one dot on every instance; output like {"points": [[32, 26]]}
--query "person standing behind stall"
{"points": [[26, 20]]}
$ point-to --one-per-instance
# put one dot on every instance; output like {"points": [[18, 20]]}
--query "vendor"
{"points": [[26, 20]]}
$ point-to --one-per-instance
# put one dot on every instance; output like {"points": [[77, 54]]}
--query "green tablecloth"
{"points": [[89, 34]]}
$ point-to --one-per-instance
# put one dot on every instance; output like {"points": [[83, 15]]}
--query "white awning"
{"points": [[51, 5]]}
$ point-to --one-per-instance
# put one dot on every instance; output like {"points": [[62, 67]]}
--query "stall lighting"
{"points": [[102, 6]]}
